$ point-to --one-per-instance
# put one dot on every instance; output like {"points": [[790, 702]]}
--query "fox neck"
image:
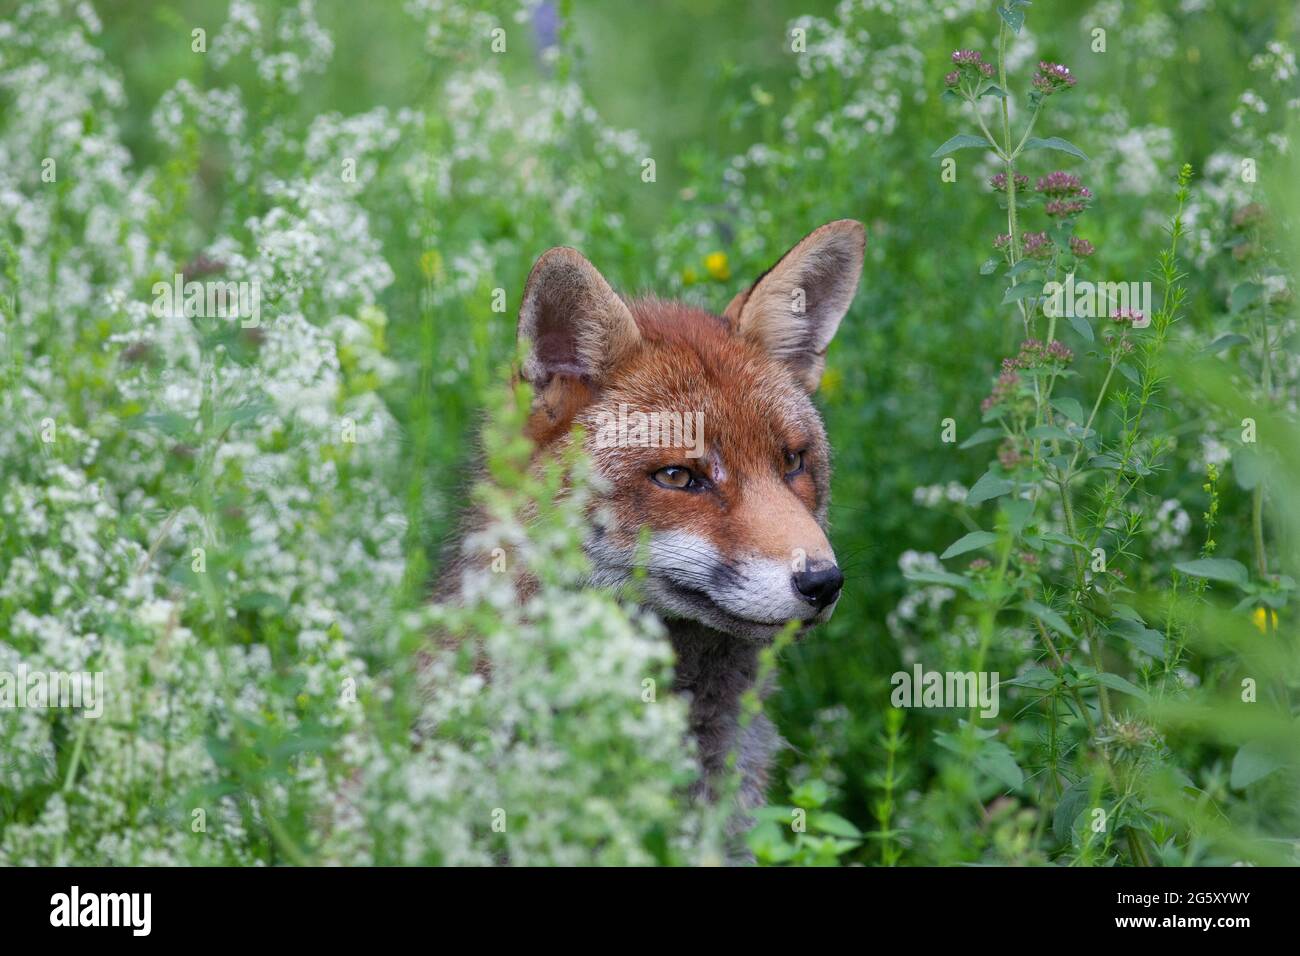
{"points": [[715, 670]]}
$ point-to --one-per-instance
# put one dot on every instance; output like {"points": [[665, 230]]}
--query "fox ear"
{"points": [[575, 323], [795, 307]]}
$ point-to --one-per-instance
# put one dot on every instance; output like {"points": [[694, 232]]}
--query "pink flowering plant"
{"points": [[1078, 432]]}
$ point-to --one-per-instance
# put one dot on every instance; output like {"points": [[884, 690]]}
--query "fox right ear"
{"points": [[794, 309], [574, 322]]}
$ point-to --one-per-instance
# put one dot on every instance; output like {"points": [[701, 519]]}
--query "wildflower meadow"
{"points": [[261, 266]]}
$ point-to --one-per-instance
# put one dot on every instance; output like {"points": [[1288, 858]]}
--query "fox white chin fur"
{"points": [[736, 515], [750, 597]]}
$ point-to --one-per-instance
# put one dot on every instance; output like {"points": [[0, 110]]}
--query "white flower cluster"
{"points": [[171, 507], [204, 512], [932, 496], [294, 47], [1169, 526], [547, 735], [928, 598]]}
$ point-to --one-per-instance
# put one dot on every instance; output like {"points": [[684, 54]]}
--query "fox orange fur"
{"points": [[737, 525]]}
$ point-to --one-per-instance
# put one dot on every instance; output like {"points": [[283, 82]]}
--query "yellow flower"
{"points": [[431, 264], [1261, 617], [831, 382], [715, 263]]}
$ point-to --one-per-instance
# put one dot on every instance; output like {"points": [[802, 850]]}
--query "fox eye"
{"points": [[675, 477], [793, 463]]}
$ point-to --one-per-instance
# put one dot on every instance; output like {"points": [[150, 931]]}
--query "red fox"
{"points": [[735, 494]]}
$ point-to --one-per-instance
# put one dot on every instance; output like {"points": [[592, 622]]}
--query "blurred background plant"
{"points": [[381, 171]]}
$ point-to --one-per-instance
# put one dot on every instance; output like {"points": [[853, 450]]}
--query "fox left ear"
{"points": [[574, 322], [794, 309]]}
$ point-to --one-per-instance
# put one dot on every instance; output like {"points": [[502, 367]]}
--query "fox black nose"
{"points": [[821, 587]]}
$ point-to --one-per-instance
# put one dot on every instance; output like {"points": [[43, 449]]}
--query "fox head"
{"points": [[701, 429]]}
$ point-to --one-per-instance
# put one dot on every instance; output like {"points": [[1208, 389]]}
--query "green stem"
{"points": [[1094, 642], [1006, 146], [1257, 528], [1136, 848], [1257, 502], [985, 130], [1033, 118], [1092, 416], [70, 777]]}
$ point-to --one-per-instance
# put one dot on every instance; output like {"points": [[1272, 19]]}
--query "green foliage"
{"points": [[238, 525]]}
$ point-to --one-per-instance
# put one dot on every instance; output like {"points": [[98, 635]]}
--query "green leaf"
{"points": [[1054, 142], [1061, 233], [1072, 803], [1016, 511], [1048, 617], [1022, 291], [1039, 678], [1247, 469], [1216, 569], [811, 794], [1251, 763], [1145, 639], [1124, 612], [1115, 682], [989, 486], [1056, 537], [996, 760], [1070, 408], [940, 577], [976, 539], [261, 600], [169, 423], [1015, 19], [989, 267], [776, 813], [1082, 326], [823, 821], [982, 436], [1051, 431], [991, 757], [1243, 295], [993, 90], [768, 843], [961, 141], [239, 415], [1226, 341]]}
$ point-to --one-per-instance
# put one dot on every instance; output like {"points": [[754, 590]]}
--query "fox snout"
{"points": [[821, 586], [749, 594]]}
